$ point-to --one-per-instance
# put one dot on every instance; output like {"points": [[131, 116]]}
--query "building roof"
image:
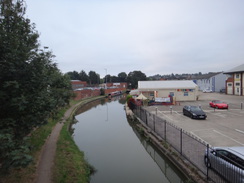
{"points": [[239, 68], [207, 76], [168, 84]]}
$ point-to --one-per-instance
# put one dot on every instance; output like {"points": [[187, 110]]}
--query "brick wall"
{"points": [[86, 93], [81, 94]]}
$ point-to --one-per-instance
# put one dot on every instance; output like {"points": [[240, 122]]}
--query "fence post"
{"points": [[154, 119], [205, 160], [181, 131], [165, 130], [145, 112], [140, 111]]}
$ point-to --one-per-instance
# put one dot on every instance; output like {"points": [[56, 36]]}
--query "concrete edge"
{"points": [[184, 166]]}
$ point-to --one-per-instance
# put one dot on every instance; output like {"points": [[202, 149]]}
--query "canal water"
{"points": [[118, 152]]}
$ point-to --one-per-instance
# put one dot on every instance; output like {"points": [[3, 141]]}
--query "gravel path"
{"points": [[46, 161]]}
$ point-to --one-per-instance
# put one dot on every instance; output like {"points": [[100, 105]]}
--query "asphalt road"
{"points": [[221, 128]]}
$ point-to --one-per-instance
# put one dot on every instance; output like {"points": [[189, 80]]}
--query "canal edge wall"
{"points": [[187, 168]]}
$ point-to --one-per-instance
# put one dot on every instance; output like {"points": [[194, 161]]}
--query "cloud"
{"points": [[156, 37]]}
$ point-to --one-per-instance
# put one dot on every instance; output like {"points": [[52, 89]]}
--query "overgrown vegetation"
{"points": [[32, 89], [36, 140]]}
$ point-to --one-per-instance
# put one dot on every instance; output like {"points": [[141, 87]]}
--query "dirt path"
{"points": [[46, 161]]}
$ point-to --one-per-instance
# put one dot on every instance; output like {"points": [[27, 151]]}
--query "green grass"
{"points": [[37, 139], [70, 165]]}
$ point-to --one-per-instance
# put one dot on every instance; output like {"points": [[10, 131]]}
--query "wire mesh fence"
{"points": [[189, 146]]}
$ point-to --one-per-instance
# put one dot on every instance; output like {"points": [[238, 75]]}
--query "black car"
{"points": [[194, 112]]}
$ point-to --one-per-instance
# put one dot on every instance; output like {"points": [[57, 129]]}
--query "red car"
{"points": [[218, 104]]}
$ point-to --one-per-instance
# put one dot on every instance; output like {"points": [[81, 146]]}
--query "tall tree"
{"points": [[83, 76], [114, 79], [94, 78], [74, 75], [122, 77], [134, 77], [30, 84]]}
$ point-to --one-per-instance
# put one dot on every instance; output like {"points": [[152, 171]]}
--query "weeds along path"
{"points": [[46, 160]]}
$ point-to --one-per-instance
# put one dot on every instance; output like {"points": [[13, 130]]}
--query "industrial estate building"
{"points": [[179, 90], [214, 82]]}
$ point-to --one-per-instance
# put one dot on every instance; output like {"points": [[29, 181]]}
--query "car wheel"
{"points": [[192, 116], [207, 162]]}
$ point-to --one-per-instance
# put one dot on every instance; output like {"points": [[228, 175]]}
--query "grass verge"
{"points": [[70, 163], [37, 140]]}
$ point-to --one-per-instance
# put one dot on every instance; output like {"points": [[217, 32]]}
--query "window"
{"points": [[237, 76], [171, 94], [185, 93], [230, 84], [237, 84]]}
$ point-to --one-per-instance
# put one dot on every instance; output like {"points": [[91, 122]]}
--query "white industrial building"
{"points": [[212, 81], [180, 90]]}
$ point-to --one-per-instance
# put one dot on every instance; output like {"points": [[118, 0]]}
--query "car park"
{"points": [[194, 112], [227, 161], [218, 104]]}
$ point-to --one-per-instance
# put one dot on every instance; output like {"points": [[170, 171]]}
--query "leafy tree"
{"points": [[83, 76], [94, 78], [114, 79], [31, 86], [74, 75], [122, 77], [107, 78], [134, 77]]}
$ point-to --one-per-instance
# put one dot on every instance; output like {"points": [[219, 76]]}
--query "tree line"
{"points": [[32, 88], [93, 78], [132, 78]]}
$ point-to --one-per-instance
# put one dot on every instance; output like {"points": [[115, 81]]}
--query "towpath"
{"points": [[46, 161]]}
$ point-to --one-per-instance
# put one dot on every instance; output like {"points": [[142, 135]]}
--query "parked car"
{"points": [[222, 90], [227, 161], [207, 91], [218, 104], [194, 112]]}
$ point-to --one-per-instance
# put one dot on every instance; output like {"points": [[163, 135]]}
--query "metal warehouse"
{"points": [[180, 90]]}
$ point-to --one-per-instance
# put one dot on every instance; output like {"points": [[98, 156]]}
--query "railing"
{"points": [[190, 147]]}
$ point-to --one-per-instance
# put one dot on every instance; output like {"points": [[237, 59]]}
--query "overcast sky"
{"points": [[153, 36]]}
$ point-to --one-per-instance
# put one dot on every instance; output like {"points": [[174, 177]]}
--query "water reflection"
{"points": [[169, 170], [116, 150]]}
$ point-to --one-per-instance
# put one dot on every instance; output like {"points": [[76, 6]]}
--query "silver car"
{"points": [[227, 161]]}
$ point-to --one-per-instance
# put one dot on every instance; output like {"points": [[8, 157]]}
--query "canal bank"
{"points": [[70, 163], [115, 149], [183, 165]]}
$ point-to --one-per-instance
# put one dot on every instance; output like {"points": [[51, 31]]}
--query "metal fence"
{"points": [[189, 146]]}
